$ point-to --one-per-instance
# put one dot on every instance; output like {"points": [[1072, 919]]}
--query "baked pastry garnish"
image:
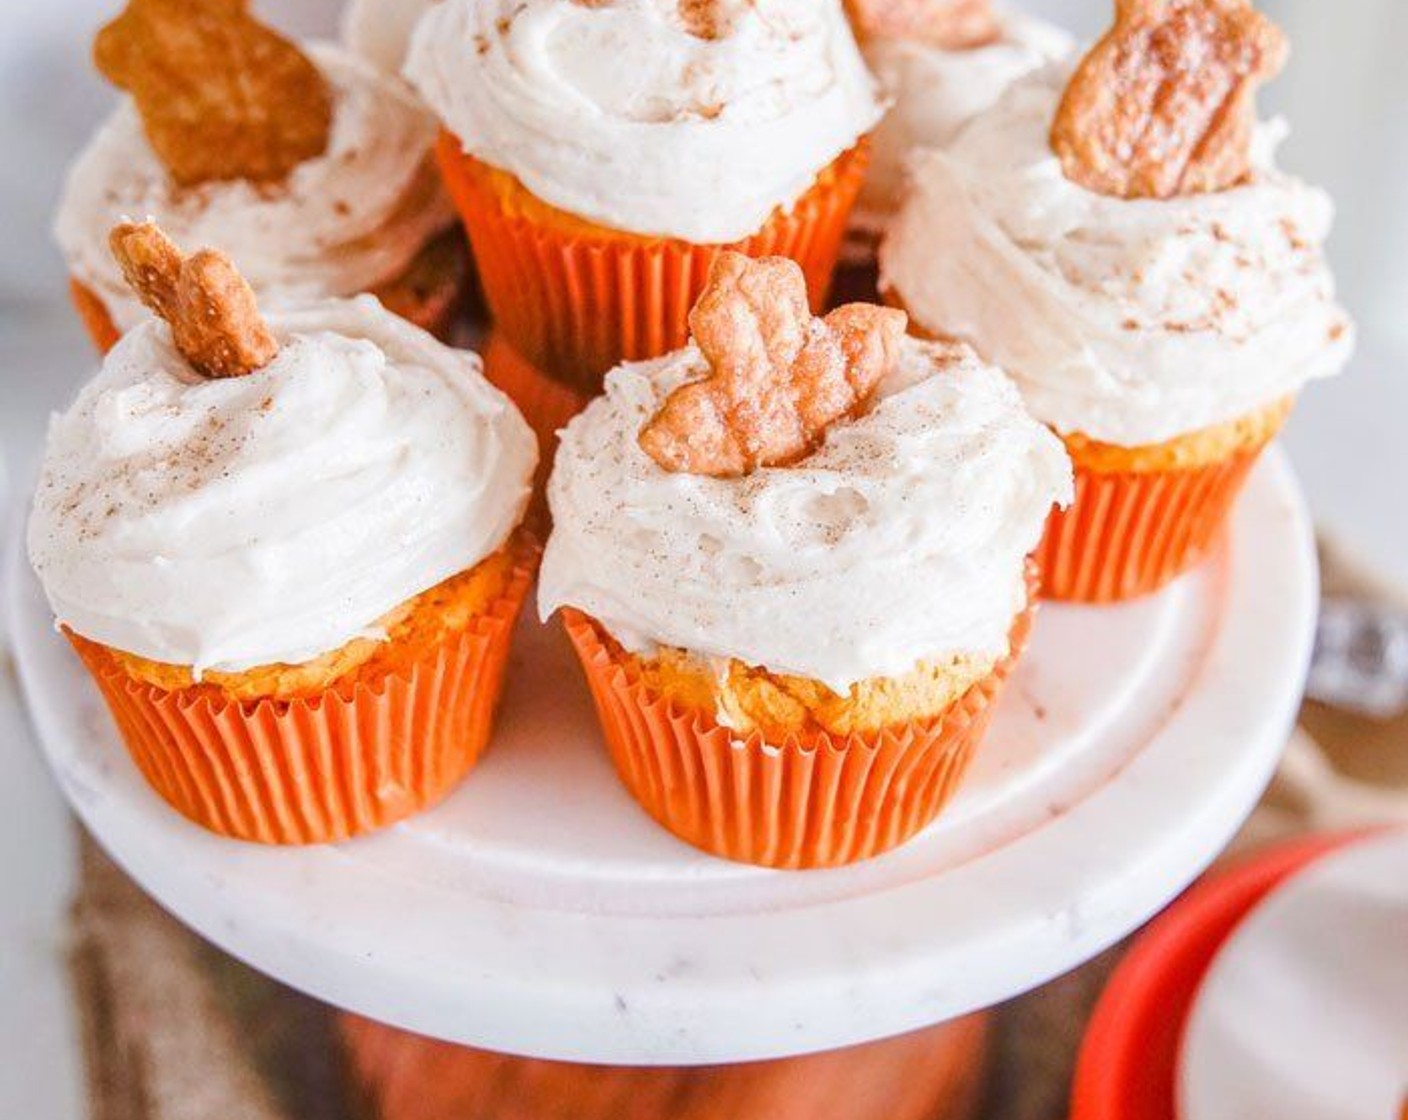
{"points": [[952, 25], [221, 96], [211, 310], [1163, 105], [779, 376]]}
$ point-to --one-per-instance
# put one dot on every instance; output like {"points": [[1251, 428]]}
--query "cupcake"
{"points": [[942, 62], [793, 559], [287, 548], [1121, 241], [603, 154], [314, 169]]}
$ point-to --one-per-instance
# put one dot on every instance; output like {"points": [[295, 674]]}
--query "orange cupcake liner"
{"points": [[359, 757], [578, 300], [1130, 533], [94, 315], [546, 404], [818, 801]]}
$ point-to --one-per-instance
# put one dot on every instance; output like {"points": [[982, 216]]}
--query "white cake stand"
{"points": [[539, 912]]}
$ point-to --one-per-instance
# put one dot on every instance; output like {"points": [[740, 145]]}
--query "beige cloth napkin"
{"points": [[175, 1030]]}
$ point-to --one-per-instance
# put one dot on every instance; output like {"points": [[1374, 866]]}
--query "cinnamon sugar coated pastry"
{"points": [[779, 377], [354, 216], [1163, 104], [221, 96], [1129, 321], [1120, 239], [244, 521], [286, 544], [649, 116], [901, 538], [820, 602], [215, 322]]}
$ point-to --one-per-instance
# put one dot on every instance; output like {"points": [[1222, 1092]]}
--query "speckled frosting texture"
{"points": [[622, 114], [273, 517], [1131, 321], [341, 224], [902, 538]]}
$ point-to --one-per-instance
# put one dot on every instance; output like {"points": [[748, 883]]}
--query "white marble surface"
{"points": [[538, 911]]}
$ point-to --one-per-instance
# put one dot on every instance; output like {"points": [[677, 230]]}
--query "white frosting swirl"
{"points": [[616, 113], [228, 523], [380, 30], [902, 538], [936, 92], [341, 224], [1130, 321]]}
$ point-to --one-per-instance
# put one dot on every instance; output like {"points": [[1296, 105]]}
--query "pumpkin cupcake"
{"points": [[1121, 241], [603, 154], [793, 558], [287, 547], [941, 62], [313, 167]]}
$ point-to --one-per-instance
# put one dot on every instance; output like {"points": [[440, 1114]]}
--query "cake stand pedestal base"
{"points": [[933, 1074]]}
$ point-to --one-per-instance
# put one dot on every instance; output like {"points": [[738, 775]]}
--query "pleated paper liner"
{"points": [[94, 315], [822, 801], [1130, 533], [363, 755], [546, 404], [576, 299]]}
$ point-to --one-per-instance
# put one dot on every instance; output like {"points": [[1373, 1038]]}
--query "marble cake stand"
{"points": [[539, 912]]}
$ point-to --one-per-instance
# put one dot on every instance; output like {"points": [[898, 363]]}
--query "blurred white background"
{"points": [[1345, 92]]}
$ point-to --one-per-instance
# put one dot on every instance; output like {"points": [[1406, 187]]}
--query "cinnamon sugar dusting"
{"points": [[778, 376], [209, 306], [1163, 105], [221, 96]]}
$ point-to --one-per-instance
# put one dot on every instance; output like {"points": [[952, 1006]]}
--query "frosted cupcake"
{"points": [[1122, 242], [315, 170], [603, 153], [941, 62], [287, 548], [793, 559]]}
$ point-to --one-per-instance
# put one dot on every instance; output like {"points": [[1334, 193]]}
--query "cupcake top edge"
{"points": [[902, 537], [627, 115], [341, 222], [226, 522], [1142, 319], [936, 91]]}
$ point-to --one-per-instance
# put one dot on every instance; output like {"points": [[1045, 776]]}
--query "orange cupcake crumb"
{"points": [[412, 628], [1193, 449], [753, 699]]}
